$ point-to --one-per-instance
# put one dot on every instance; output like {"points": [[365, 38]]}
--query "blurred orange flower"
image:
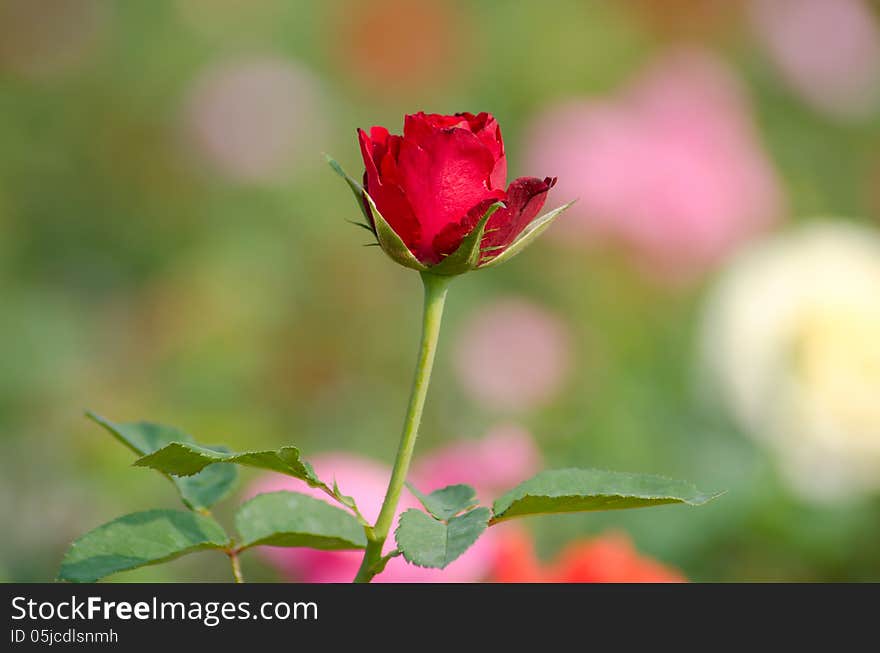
{"points": [[701, 20], [399, 45], [608, 558]]}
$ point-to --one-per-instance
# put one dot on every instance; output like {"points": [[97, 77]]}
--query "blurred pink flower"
{"points": [[361, 478], [515, 458], [506, 456], [828, 51], [513, 354], [670, 168], [251, 119]]}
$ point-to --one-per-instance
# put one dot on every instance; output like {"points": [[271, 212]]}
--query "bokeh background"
{"points": [[173, 248]]}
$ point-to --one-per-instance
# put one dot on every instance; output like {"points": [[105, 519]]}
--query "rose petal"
{"points": [[525, 198], [488, 131], [443, 174], [450, 237], [381, 181]]}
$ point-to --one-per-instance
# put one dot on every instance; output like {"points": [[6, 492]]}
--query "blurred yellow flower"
{"points": [[792, 341], [839, 360]]}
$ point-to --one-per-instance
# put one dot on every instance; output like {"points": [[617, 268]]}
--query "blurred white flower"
{"points": [[254, 119], [828, 51], [792, 339], [513, 354]]}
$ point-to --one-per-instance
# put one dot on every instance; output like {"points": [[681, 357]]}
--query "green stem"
{"points": [[435, 297], [236, 566]]}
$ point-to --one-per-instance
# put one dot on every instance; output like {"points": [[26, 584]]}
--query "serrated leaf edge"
{"points": [[111, 427], [207, 546], [406, 556], [206, 457], [421, 496], [700, 499], [244, 546]]}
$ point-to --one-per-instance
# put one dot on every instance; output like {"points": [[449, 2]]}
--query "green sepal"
{"points": [[363, 225], [356, 189], [467, 256], [528, 235], [388, 239]]}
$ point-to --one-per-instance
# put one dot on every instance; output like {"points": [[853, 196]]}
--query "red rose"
{"points": [[441, 182]]}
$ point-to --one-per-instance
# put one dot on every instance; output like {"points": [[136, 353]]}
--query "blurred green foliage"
{"points": [[136, 281]]}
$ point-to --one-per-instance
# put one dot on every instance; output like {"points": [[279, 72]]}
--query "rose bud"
{"points": [[435, 197]]}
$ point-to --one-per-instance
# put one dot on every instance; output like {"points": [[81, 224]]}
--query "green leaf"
{"points": [[203, 490], [391, 243], [467, 256], [426, 542], [448, 501], [137, 540], [185, 458], [294, 519], [578, 490], [534, 229], [143, 438]]}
